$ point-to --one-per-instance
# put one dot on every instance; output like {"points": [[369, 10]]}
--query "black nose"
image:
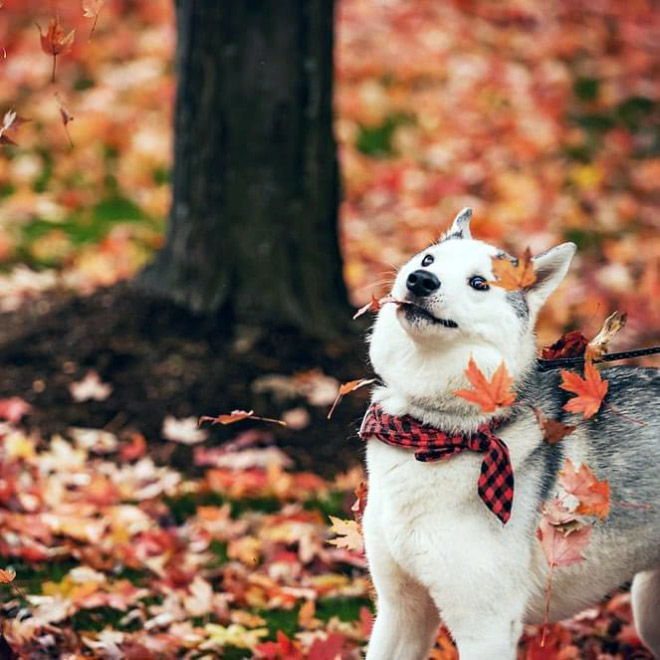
{"points": [[422, 283]]}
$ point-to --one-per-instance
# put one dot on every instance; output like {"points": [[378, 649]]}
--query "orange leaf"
{"points": [[346, 388], [594, 495], [563, 548], [7, 576], [238, 416], [590, 391], [490, 395], [553, 430], [514, 275], [55, 42], [572, 344]]}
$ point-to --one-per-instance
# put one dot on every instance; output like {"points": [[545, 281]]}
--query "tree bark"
{"points": [[252, 232]]}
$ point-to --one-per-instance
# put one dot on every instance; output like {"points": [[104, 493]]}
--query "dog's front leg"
{"points": [[407, 619]]}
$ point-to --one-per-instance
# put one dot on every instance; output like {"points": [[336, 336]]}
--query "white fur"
{"points": [[431, 543]]}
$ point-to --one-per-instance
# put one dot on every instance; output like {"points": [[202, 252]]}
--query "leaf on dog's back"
{"points": [[598, 345], [348, 533], [590, 390], [488, 394], [553, 430], [593, 495], [563, 548], [514, 276]]}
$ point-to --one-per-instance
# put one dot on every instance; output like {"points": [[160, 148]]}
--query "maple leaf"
{"points": [[346, 388], [238, 416], [557, 513], [563, 548], [348, 533], [54, 42], [598, 345], [590, 390], [572, 344], [92, 9], [553, 430], [514, 275], [593, 495], [7, 576], [488, 394], [375, 304], [327, 649]]}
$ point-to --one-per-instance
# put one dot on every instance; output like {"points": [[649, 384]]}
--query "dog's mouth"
{"points": [[414, 312]]}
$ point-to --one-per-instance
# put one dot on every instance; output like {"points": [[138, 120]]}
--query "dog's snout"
{"points": [[422, 283]]}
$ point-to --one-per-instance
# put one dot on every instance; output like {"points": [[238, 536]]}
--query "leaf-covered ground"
{"points": [[543, 117]]}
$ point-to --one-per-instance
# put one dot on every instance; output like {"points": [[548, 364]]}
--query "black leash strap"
{"points": [[546, 365]]}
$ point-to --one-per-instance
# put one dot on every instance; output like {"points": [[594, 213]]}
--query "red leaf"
{"points": [[594, 495], [328, 649], [375, 304], [572, 344], [563, 548], [55, 42]]}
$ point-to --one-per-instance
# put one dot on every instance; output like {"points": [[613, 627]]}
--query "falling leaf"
{"points": [[572, 344], [375, 304], [593, 495], [54, 42], [553, 430], [360, 503], [7, 122], [514, 275], [238, 416], [7, 576], [184, 430], [598, 345], [14, 409], [489, 395], [346, 388], [348, 533], [563, 548], [66, 118], [90, 388], [92, 9], [590, 390]]}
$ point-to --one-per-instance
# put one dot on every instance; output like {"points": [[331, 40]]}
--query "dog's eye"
{"points": [[427, 260], [478, 283]]}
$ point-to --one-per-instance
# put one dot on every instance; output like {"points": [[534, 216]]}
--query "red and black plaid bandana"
{"points": [[496, 479]]}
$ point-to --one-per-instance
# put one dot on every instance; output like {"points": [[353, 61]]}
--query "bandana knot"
{"points": [[495, 486]]}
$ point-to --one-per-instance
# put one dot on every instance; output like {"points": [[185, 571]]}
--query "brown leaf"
{"points": [[590, 390], [511, 275], [572, 344], [54, 42], [598, 345], [346, 388], [552, 429], [238, 416], [488, 394]]}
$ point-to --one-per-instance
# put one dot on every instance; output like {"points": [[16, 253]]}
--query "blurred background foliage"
{"points": [[543, 116]]}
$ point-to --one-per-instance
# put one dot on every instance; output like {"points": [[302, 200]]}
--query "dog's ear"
{"points": [[460, 228], [550, 268]]}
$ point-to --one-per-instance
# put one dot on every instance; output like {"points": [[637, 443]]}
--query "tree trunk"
{"points": [[252, 232]]}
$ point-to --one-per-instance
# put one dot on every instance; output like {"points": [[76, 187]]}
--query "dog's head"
{"points": [[451, 311]]}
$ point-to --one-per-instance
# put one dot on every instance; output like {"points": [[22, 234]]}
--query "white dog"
{"points": [[434, 548]]}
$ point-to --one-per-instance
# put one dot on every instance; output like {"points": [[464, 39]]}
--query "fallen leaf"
{"points": [[348, 533], [572, 344], [238, 416], [489, 395], [185, 431], [346, 388], [54, 42], [514, 275], [590, 390], [7, 576], [553, 430], [14, 409], [598, 345], [90, 387]]}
